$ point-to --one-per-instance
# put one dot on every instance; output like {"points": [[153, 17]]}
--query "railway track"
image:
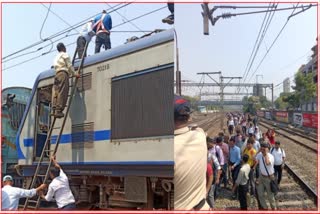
{"points": [[295, 193], [294, 131], [301, 139]]}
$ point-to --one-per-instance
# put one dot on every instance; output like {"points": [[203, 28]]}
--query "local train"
{"points": [[117, 143], [14, 101]]}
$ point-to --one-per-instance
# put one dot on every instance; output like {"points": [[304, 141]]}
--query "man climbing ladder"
{"points": [[64, 69]]}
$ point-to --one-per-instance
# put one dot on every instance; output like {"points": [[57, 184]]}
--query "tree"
{"points": [[304, 90], [280, 104], [254, 103]]}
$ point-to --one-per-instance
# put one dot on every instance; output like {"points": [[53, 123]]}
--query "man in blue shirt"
{"points": [[234, 159], [102, 26]]}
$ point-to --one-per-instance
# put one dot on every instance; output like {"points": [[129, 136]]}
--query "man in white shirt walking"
{"points": [[266, 163], [10, 195], [242, 182], [59, 188], [279, 158]]}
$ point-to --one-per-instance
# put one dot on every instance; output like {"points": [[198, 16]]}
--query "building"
{"points": [[257, 90], [286, 85]]}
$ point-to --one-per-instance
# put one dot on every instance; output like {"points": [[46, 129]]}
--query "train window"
{"points": [[42, 118], [141, 104]]}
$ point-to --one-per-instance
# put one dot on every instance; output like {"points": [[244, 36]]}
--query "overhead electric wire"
{"points": [[274, 41], [262, 32], [229, 15], [269, 19], [134, 25], [255, 47], [156, 10], [44, 21], [76, 34], [59, 17], [63, 31]]}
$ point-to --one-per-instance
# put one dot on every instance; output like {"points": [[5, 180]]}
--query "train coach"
{"points": [[14, 100], [117, 143]]}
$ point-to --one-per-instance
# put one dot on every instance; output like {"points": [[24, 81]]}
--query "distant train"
{"points": [[14, 101], [117, 144], [202, 109]]}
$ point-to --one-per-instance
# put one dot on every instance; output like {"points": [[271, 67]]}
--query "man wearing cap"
{"points": [[190, 152], [102, 26], [279, 158], [85, 36], [59, 188], [266, 163], [11, 195]]}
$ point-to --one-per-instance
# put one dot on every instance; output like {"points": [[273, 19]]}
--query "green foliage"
{"points": [[193, 100], [304, 90], [254, 103]]}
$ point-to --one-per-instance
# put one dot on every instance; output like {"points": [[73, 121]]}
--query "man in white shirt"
{"points": [[86, 34], [266, 163], [230, 125], [190, 152], [242, 182], [279, 158], [64, 69], [10, 195], [59, 188]]}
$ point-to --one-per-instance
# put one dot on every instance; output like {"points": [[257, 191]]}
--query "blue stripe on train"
{"points": [[78, 137], [141, 163]]}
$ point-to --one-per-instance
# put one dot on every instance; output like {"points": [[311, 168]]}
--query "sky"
{"points": [[229, 44], [22, 22]]}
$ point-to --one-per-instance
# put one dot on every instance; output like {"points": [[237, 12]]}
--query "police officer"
{"points": [[190, 152]]}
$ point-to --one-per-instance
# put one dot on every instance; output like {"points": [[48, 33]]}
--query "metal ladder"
{"points": [[31, 203]]}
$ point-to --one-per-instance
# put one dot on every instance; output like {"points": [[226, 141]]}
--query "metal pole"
{"points": [[272, 96], [221, 102]]}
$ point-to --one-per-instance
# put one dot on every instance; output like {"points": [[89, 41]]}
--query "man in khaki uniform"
{"points": [[190, 157], [64, 69]]}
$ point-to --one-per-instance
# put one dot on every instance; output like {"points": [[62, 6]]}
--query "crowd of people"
{"points": [[252, 161], [244, 160]]}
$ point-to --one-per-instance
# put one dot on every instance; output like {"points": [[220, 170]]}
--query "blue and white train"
{"points": [[117, 144]]}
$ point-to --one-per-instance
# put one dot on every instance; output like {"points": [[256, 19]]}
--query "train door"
{"points": [[42, 122]]}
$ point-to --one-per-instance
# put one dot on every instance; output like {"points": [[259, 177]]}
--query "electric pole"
{"points": [[222, 86]]}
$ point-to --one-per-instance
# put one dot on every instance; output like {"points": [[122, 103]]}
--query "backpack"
{"points": [[272, 149]]}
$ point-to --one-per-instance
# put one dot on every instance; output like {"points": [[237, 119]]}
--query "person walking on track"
{"points": [[10, 195], [64, 69], [266, 175], [242, 183], [279, 158]]}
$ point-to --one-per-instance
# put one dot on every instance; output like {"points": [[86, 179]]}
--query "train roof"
{"points": [[128, 48], [16, 87]]}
